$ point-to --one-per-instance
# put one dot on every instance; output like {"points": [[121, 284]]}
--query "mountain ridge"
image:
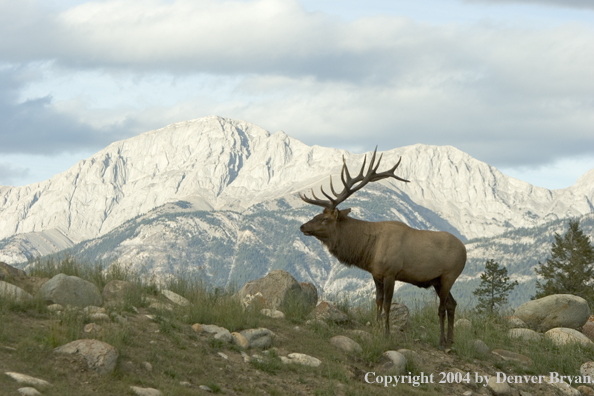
{"points": [[214, 164]]}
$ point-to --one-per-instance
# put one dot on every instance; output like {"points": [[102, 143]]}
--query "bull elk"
{"points": [[389, 250]]}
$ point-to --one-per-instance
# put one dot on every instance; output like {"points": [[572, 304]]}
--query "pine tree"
{"points": [[494, 288], [571, 267]]}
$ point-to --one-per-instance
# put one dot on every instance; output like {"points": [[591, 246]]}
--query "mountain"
{"points": [[219, 197]]}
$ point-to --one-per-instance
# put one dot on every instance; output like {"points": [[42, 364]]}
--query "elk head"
{"points": [[323, 225]]}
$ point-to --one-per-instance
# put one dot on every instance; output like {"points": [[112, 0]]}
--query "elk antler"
{"points": [[349, 182]]}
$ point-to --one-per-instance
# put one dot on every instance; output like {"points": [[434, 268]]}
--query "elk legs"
{"points": [[384, 291], [447, 304]]}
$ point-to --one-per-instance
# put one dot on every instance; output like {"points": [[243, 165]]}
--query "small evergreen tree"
{"points": [[494, 288], [571, 267]]}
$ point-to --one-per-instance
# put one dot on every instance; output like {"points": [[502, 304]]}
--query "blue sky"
{"points": [[508, 81]]}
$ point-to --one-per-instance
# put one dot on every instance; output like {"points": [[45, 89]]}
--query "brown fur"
{"points": [[391, 251]]}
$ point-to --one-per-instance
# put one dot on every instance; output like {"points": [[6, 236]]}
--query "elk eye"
{"points": [[324, 221]]}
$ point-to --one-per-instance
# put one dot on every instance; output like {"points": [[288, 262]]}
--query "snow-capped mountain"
{"points": [[220, 195], [216, 163]]}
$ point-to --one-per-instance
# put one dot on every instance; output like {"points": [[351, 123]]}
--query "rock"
{"points": [[220, 333], [397, 360], [563, 387], [278, 290], [558, 310], [197, 327], [8, 290], [463, 324], [70, 290], [258, 338], [588, 329], [346, 344], [28, 380], [481, 347], [329, 312], [99, 356], [302, 359], [272, 313], [563, 336], [55, 308], [116, 290], [146, 391], [205, 388], [585, 390], [587, 370], [240, 340], [99, 317], [92, 328], [175, 298], [513, 356], [29, 391], [409, 355], [516, 322], [524, 334], [499, 388]]}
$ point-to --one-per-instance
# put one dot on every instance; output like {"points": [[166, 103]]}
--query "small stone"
{"points": [[258, 338], [146, 391], [221, 354], [240, 340], [55, 308], [585, 390], [499, 388], [147, 366], [301, 358], [28, 380], [516, 322], [346, 344], [513, 356], [99, 317], [463, 324], [481, 347], [272, 313], [245, 356], [29, 391], [186, 384], [92, 328], [175, 298], [205, 388]]}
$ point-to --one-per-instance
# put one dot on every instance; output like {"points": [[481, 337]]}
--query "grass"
{"points": [[178, 354]]}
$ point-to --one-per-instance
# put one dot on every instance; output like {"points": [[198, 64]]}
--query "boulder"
{"points": [[19, 278], [11, 291], [524, 334], [302, 359], [9, 273], [310, 293], [558, 310], [588, 328], [397, 361], [99, 356], [346, 344], [563, 336], [277, 290], [175, 298], [399, 317], [70, 290], [329, 312], [258, 338]]}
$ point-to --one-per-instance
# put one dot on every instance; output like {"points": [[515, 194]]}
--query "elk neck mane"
{"points": [[354, 242]]}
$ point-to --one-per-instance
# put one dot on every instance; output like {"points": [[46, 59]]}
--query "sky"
{"points": [[509, 82]]}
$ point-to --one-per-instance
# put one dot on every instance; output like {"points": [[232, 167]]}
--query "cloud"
{"points": [[10, 174], [581, 4], [505, 94], [34, 125]]}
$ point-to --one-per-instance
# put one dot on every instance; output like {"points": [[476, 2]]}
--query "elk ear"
{"points": [[345, 212]]}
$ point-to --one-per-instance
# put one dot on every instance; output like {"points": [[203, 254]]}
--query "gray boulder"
{"points": [[558, 310], [10, 291], [277, 290], [70, 290], [98, 356]]}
